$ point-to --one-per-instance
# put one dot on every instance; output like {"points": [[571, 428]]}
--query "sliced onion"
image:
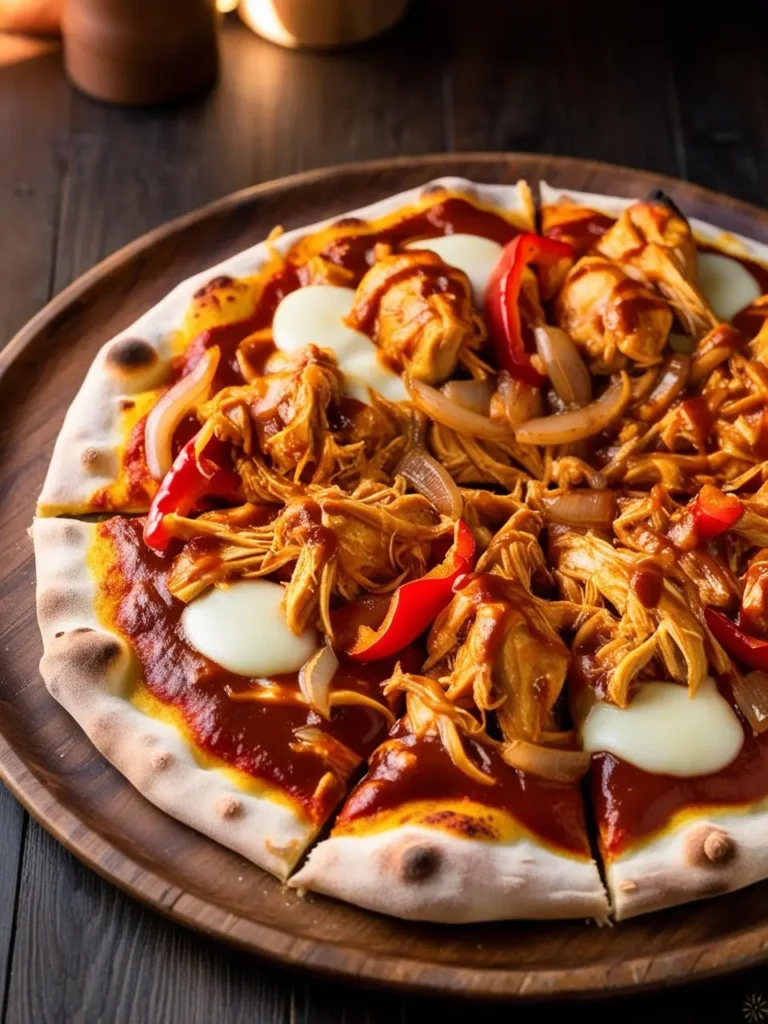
{"points": [[551, 763], [474, 395], [580, 423], [673, 379], [643, 385], [442, 410], [315, 679], [595, 509], [432, 480], [171, 410], [751, 694], [565, 367], [519, 400], [337, 755]]}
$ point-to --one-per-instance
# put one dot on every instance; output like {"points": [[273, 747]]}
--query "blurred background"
{"points": [[676, 87]]}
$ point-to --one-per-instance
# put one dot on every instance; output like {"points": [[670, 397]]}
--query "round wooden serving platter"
{"points": [[51, 767]]}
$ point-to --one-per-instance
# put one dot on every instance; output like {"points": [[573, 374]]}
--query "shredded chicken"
{"points": [[419, 312]]}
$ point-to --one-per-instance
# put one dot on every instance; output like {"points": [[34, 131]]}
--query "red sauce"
{"points": [[583, 232], [253, 737], [631, 803], [551, 810], [648, 583]]}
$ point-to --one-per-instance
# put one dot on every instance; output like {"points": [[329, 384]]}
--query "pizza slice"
{"points": [[198, 704], [471, 810], [679, 776], [255, 314]]}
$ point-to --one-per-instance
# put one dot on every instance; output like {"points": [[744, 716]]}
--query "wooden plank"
{"points": [[85, 952], [273, 113], [564, 78], [722, 82], [33, 137]]}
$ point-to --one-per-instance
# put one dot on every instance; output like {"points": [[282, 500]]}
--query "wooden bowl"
{"points": [[51, 767]]}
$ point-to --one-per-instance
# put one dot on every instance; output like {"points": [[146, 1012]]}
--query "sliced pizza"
{"points": [[482, 508], [199, 704]]}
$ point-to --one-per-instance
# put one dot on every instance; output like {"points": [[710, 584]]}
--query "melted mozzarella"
{"points": [[242, 627], [315, 315], [475, 255], [726, 283], [666, 732]]}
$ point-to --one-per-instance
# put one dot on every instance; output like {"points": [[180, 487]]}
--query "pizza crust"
{"points": [[713, 853], [90, 672], [86, 454], [613, 206], [428, 875]]}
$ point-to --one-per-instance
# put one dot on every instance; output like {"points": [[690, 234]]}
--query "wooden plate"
{"points": [[50, 766]]}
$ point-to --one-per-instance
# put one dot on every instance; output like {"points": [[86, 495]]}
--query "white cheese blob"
{"points": [[242, 627], [475, 255], [666, 732], [726, 284], [315, 315]]}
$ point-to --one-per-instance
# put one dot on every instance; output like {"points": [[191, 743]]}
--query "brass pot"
{"points": [[320, 24], [140, 51]]}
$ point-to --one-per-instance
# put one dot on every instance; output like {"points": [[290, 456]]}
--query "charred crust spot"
{"points": [[82, 629], [419, 862], [130, 354], [461, 824], [60, 633], [160, 760], [229, 808], [708, 847], [126, 404], [348, 222], [434, 190], [658, 195], [222, 281], [89, 457]]}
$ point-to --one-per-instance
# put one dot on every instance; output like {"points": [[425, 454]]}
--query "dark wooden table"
{"points": [[666, 87]]}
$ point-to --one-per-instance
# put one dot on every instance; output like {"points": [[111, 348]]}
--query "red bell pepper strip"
{"points": [[190, 478], [415, 605], [740, 645], [502, 299], [714, 512]]}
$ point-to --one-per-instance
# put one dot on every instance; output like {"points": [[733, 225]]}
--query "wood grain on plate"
{"points": [[86, 804]]}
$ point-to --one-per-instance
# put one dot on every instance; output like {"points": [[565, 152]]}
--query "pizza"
{"points": [[420, 556]]}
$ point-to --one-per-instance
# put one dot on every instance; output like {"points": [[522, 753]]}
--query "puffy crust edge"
{"points": [[91, 671], [85, 456], [713, 853], [726, 241], [428, 875]]}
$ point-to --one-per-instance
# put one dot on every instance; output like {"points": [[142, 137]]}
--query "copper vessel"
{"points": [[320, 24], [140, 51]]}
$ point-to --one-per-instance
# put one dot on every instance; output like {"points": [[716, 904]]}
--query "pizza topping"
{"points": [[579, 424], [473, 255], [415, 605], [165, 417], [427, 476], [513, 287], [315, 679], [552, 763], [418, 310], [565, 368], [666, 732], [451, 414], [317, 315], [194, 475], [220, 624]]}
